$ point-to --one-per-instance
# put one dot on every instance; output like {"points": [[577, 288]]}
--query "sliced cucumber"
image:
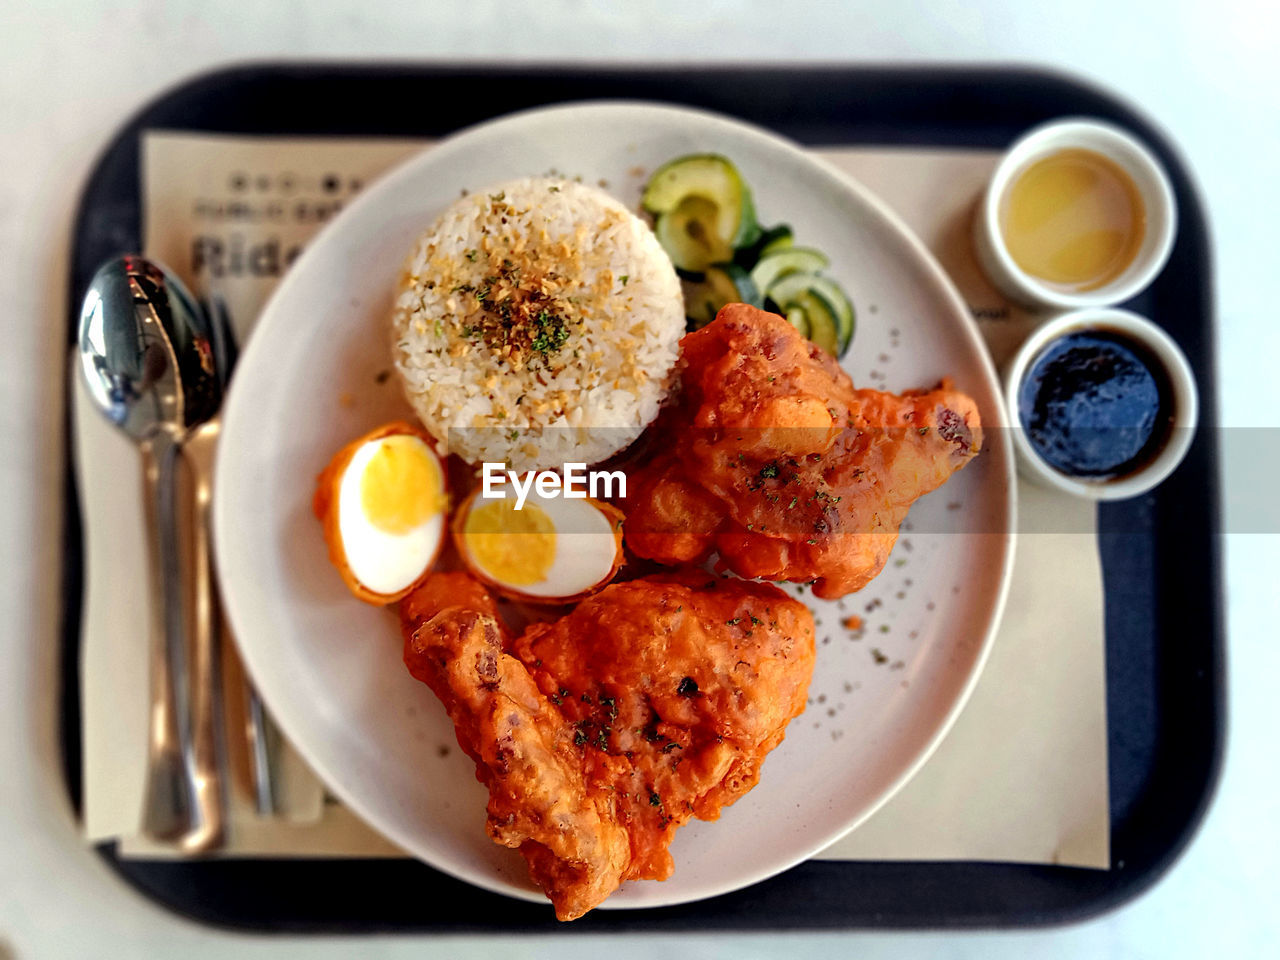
{"points": [[775, 239], [731, 284], [725, 220], [749, 231], [787, 291], [705, 219], [699, 305], [689, 235], [774, 266], [799, 318], [724, 283], [822, 322]]}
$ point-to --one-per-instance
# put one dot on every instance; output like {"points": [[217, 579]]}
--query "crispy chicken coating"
{"points": [[602, 732], [773, 460]]}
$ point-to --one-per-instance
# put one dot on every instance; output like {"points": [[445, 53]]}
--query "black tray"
{"points": [[1161, 558]]}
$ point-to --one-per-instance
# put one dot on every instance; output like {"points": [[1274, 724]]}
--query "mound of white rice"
{"points": [[537, 323]]}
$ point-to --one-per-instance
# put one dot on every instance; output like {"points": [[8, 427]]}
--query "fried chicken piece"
{"points": [[600, 733], [544, 796], [773, 460]]}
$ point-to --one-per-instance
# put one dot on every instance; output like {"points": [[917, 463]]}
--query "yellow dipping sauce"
{"points": [[1074, 219]]}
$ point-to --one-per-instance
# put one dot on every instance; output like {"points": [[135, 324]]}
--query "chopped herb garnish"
{"points": [[552, 332]]}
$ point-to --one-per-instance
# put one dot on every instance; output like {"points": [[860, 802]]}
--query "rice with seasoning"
{"points": [[538, 322]]}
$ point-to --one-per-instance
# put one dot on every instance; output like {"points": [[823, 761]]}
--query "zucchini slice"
{"points": [[786, 292], [774, 266], [771, 240], [775, 239], [799, 318], [731, 284], [699, 305], [822, 322], [688, 234], [725, 218], [723, 283]]}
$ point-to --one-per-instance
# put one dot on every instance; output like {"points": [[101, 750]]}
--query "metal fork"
{"points": [[259, 732]]}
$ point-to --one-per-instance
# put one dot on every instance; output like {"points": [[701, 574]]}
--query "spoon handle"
{"points": [[208, 828], [166, 802]]}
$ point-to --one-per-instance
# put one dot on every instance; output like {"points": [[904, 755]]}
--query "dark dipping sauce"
{"points": [[1092, 405]]}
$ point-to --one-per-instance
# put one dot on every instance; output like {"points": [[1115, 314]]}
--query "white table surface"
{"points": [[72, 72]]}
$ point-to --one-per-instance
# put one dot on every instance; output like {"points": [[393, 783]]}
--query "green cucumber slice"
{"points": [[785, 292], [689, 235], [731, 284], [822, 322], [699, 305], [775, 239], [714, 179], [774, 266], [724, 283], [799, 319], [749, 229]]}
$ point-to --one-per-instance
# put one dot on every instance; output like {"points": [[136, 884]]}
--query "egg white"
{"points": [[585, 547], [383, 562]]}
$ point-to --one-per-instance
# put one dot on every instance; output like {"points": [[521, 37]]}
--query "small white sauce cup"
{"points": [[1125, 151], [1182, 398]]}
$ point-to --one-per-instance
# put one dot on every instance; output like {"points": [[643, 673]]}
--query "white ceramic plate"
{"points": [[330, 668]]}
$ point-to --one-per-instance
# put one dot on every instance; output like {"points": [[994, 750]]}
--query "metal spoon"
{"points": [[149, 364]]}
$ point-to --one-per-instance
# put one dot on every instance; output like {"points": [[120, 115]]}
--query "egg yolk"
{"points": [[513, 546], [401, 487]]}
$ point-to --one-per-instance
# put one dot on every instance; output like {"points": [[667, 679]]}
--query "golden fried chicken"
{"points": [[773, 460], [600, 733]]}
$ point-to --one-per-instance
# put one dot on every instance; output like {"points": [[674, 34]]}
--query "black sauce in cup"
{"points": [[1094, 404]]}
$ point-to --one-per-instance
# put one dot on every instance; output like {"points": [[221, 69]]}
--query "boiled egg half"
{"points": [[551, 550], [383, 501]]}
